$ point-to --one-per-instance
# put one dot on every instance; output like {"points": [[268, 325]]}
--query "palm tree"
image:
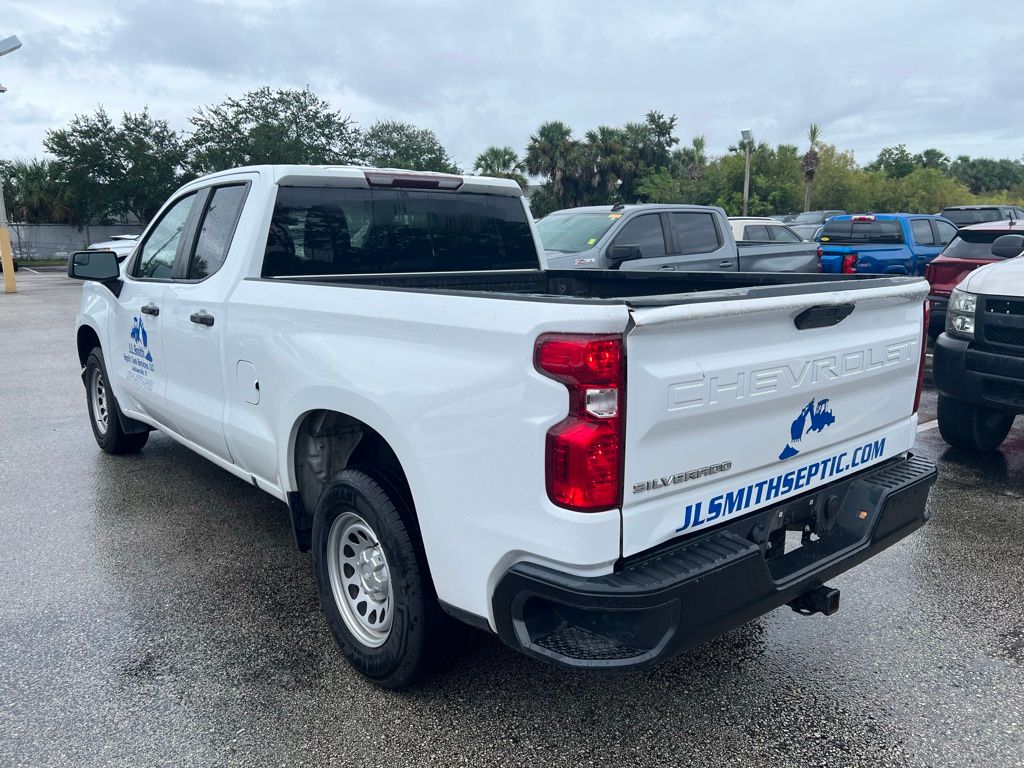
{"points": [[810, 162], [608, 162], [549, 154], [698, 158], [503, 163], [37, 196]]}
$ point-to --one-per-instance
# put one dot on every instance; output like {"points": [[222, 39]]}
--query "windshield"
{"points": [[877, 231], [974, 245], [964, 216], [810, 217], [574, 232]]}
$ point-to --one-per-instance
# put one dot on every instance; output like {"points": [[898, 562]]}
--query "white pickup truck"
{"points": [[599, 466]]}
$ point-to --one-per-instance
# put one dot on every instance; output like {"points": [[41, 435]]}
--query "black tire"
{"points": [[417, 623], [112, 438], [972, 427]]}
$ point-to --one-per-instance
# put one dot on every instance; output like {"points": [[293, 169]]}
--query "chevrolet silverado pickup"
{"points": [[686, 238], [978, 365], [603, 468]]}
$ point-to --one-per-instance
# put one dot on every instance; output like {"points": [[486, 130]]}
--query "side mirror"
{"points": [[620, 253], [94, 265], [1008, 246]]}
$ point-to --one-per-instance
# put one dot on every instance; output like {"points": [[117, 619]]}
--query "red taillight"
{"points": [[850, 264], [584, 451], [924, 351]]}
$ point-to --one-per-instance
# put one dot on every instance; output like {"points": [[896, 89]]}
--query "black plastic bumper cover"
{"points": [[965, 372], [678, 596]]}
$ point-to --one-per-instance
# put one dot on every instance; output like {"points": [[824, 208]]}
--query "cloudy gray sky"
{"points": [[482, 72]]}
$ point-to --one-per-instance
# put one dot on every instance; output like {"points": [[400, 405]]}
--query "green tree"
{"points": [[110, 169], [33, 193], [809, 162], [270, 126], [895, 162], [394, 144], [551, 153], [502, 163], [933, 158]]}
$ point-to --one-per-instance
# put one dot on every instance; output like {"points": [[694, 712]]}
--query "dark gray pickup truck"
{"points": [[661, 237]]}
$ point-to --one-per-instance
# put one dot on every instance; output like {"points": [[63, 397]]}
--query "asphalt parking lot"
{"points": [[155, 612]]}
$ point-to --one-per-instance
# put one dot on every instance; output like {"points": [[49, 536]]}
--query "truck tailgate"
{"points": [[730, 406]]}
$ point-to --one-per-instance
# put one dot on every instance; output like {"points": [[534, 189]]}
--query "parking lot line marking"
{"points": [[928, 425], [30, 270]]}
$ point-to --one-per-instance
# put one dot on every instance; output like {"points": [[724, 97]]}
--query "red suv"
{"points": [[970, 249]]}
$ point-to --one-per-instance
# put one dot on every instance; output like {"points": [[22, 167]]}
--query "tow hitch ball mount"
{"points": [[821, 599]]}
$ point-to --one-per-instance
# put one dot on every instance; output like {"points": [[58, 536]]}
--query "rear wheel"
{"points": [[371, 573], [972, 427], [104, 413]]}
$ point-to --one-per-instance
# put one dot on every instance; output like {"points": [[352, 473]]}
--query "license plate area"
{"points": [[800, 534]]}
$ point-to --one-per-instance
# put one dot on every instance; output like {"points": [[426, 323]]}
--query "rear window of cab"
{"points": [[974, 245], [849, 231]]}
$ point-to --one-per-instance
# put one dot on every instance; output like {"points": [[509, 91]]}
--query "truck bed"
{"points": [[636, 289]]}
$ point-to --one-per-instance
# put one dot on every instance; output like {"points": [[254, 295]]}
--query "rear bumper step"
{"points": [[663, 602]]}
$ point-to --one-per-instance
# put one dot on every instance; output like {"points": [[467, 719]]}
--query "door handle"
{"points": [[150, 309], [667, 268], [725, 264], [202, 317]]}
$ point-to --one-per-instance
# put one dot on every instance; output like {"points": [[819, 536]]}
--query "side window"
{"points": [[922, 229], [784, 235], [946, 232], [645, 233], [695, 232], [222, 209], [156, 254], [757, 232]]}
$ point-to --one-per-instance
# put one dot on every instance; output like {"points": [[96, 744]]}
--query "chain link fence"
{"points": [[56, 241]]}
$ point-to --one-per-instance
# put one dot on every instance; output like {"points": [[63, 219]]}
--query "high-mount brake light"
{"points": [[868, 217], [584, 452], [924, 351], [412, 180]]}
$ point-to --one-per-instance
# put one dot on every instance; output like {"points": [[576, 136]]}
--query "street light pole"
{"points": [[748, 138], [7, 45]]}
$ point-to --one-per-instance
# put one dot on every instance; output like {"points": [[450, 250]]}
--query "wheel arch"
{"points": [[322, 442], [86, 339]]}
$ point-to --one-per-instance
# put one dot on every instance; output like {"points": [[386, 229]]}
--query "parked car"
{"points": [[970, 249], [883, 243], [122, 245], [600, 467], [785, 218], [759, 229], [978, 364], [661, 237], [815, 217], [965, 215]]}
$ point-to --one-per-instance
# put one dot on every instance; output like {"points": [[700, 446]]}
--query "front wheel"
{"points": [[104, 413], [371, 573], [972, 427]]}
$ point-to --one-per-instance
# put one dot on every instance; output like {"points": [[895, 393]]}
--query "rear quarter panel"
{"points": [[449, 382]]}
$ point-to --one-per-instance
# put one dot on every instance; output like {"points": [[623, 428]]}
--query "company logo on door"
{"points": [[138, 358]]}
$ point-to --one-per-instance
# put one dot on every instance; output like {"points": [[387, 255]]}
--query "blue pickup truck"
{"points": [[883, 243]]}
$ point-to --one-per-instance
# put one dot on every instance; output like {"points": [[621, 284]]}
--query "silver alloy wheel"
{"points": [[360, 579], [100, 406]]}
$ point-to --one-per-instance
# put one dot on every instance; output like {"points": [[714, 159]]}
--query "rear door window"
{"points": [[695, 232], [945, 231], [756, 232], [783, 235], [332, 231], [646, 233], [973, 245], [922, 229]]}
